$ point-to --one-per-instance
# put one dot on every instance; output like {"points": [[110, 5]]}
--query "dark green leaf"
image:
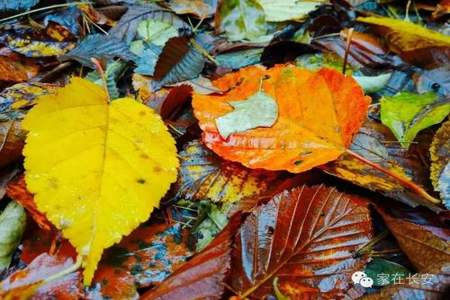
{"points": [[385, 272]]}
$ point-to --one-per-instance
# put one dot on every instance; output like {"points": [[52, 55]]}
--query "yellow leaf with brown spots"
{"points": [[110, 164]]}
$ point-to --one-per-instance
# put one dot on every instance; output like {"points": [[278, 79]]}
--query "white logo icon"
{"points": [[362, 279]]}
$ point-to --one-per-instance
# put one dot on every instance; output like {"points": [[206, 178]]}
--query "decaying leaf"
{"points": [[17, 190], [406, 114], [30, 282], [285, 10], [203, 175], [203, 276], [35, 48], [318, 113], [376, 143], [106, 173], [440, 162], [306, 237], [198, 8], [12, 226], [149, 254], [14, 68], [435, 80], [240, 19]]}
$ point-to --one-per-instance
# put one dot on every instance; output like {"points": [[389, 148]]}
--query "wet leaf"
{"points": [[11, 142], [285, 10], [376, 143], [424, 243], [440, 162], [67, 18], [18, 5], [379, 266], [258, 110], [435, 80], [35, 48], [203, 276], [241, 19], [239, 59], [149, 254], [298, 141], [31, 281], [181, 61], [14, 68], [406, 114], [156, 32], [203, 175], [413, 42], [12, 225], [198, 8], [77, 187], [306, 237], [17, 190], [372, 84], [101, 47], [126, 28]]}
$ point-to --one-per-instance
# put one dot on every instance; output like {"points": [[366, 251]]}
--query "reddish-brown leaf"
{"points": [[17, 190], [11, 142], [426, 244], [174, 50], [306, 237], [29, 283], [15, 68], [203, 276]]}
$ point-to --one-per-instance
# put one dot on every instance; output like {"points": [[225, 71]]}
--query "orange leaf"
{"points": [[17, 190], [318, 113]]}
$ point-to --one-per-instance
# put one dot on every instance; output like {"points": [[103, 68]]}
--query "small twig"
{"points": [[64, 272], [43, 9], [368, 247], [347, 49]]}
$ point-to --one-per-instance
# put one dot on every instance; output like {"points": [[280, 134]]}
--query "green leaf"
{"points": [[12, 226], [406, 114], [241, 19], [259, 110], [156, 32], [385, 272], [285, 10], [372, 84]]}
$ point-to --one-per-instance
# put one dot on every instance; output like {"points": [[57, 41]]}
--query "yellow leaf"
{"points": [[97, 170], [407, 36]]}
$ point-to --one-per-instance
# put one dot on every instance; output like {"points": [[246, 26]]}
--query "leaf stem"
{"points": [[42, 9], [347, 49], [405, 182], [101, 72], [202, 50]]}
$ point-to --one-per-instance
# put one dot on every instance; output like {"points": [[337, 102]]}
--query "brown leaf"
{"points": [[173, 52], [29, 283], [376, 143], [11, 142], [306, 237], [17, 190], [14, 68], [203, 276], [426, 244], [198, 8], [204, 175], [440, 162]]}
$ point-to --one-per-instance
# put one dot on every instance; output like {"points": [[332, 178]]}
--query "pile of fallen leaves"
{"points": [[230, 149]]}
